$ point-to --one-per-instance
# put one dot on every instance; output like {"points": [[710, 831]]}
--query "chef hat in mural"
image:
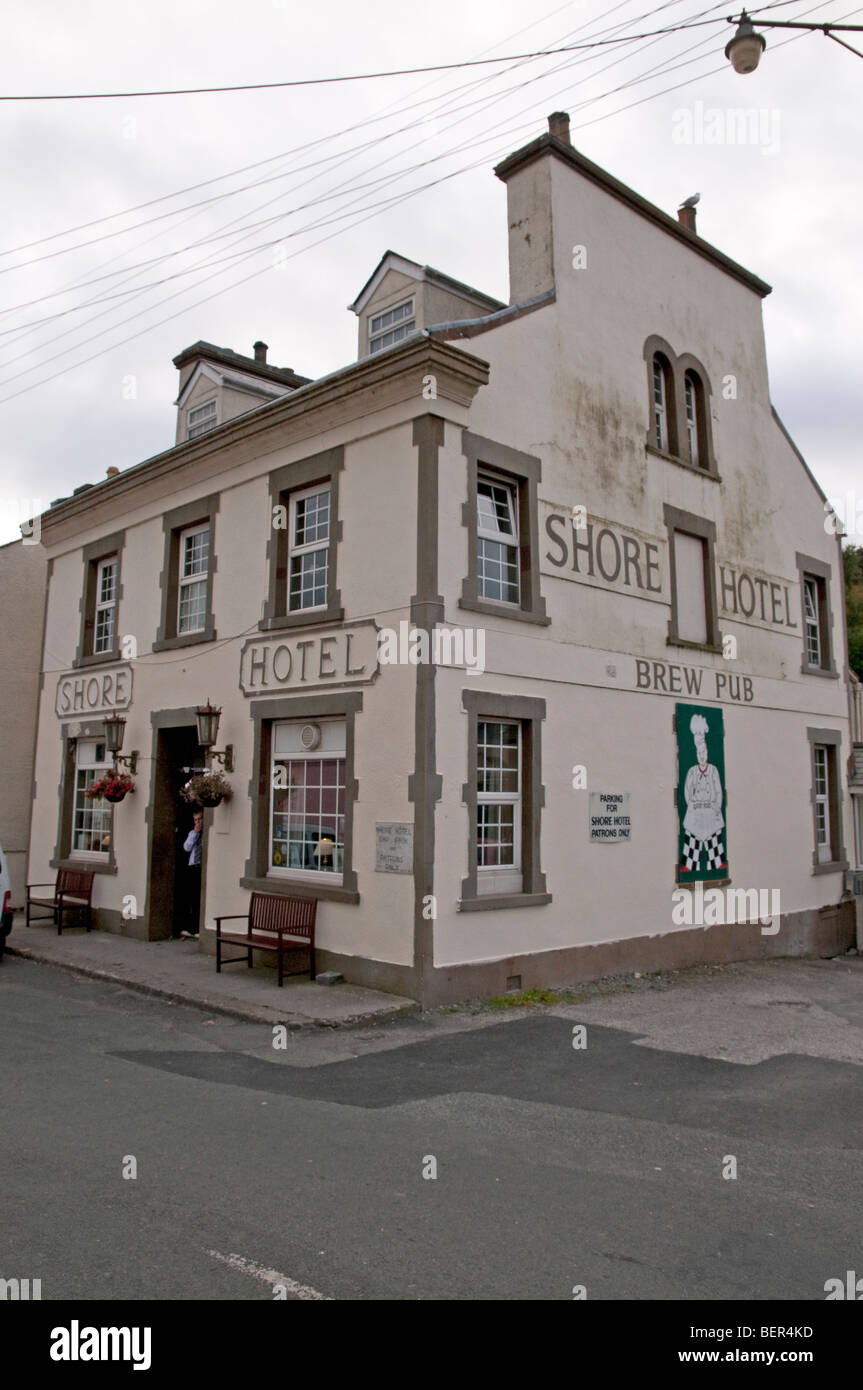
{"points": [[698, 725]]}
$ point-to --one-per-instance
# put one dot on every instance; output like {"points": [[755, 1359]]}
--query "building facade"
{"points": [[526, 629]]}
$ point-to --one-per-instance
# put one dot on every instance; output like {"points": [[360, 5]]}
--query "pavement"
{"points": [[179, 972]]}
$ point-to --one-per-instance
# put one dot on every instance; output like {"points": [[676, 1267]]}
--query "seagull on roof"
{"points": [[691, 201]]}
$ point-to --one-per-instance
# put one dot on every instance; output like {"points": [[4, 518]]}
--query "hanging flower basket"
{"points": [[113, 787], [207, 789]]}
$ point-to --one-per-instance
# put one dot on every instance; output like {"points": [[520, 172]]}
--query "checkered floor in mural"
{"points": [[713, 849]]}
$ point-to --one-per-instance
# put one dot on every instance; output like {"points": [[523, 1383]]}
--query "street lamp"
{"points": [[745, 49]]}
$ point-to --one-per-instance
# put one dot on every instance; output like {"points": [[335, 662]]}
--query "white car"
{"points": [[5, 901]]}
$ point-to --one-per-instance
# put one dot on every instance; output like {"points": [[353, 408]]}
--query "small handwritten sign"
{"points": [[394, 847], [610, 822]]}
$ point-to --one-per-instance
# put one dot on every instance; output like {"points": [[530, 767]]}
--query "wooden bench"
{"points": [[273, 923], [73, 892]]}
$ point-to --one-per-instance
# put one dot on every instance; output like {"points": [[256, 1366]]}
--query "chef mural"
{"points": [[701, 794]]}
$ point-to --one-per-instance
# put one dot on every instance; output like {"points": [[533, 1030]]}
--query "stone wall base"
{"points": [[824, 931], [111, 920]]}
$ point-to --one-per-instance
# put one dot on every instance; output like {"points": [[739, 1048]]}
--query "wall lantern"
{"points": [[207, 717], [115, 730]]}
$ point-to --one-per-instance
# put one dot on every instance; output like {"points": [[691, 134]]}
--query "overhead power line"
{"points": [[369, 210], [345, 77]]}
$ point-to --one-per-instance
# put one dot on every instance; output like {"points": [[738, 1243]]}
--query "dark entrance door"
{"points": [[177, 750]]}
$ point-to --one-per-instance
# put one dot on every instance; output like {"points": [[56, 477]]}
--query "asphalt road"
{"points": [[600, 1166]]}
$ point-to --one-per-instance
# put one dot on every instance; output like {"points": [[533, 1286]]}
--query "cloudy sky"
{"points": [[259, 214]]}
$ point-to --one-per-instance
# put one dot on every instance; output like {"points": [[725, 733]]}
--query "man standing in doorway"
{"points": [[192, 877]]}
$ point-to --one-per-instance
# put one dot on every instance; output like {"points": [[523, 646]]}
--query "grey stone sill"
{"points": [[188, 639], [831, 674], [100, 659], [503, 610], [84, 865], [705, 883], [301, 889], [489, 902], [683, 463], [307, 617], [835, 866], [693, 646]]}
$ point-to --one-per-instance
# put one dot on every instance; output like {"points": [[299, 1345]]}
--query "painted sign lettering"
{"points": [[603, 554], [671, 678], [756, 597], [98, 693], [309, 660]]}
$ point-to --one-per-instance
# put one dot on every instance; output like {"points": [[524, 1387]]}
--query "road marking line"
{"points": [[269, 1276]]}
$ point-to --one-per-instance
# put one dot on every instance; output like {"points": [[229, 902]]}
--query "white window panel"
{"points": [[307, 805], [691, 395], [309, 549], [691, 592], [391, 326], [194, 567], [660, 405], [813, 626], [105, 616], [822, 803], [201, 418], [499, 802], [92, 821], [497, 543]]}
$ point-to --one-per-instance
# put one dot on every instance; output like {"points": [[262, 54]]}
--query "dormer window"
{"points": [[201, 419], [391, 326]]}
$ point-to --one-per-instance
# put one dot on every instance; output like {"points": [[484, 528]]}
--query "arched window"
{"points": [[661, 401], [694, 402]]}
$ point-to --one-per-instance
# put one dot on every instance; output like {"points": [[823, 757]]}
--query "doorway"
{"points": [[174, 890]]}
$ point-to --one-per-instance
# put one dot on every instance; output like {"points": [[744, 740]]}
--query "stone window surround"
{"points": [[524, 472], [678, 366], [62, 857], [332, 705], [203, 509], [91, 555], [808, 566], [530, 713], [324, 467], [832, 740], [688, 522]]}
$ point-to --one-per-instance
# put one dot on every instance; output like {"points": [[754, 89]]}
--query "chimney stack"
{"points": [[686, 218], [558, 125], [260, 352], [112, 472]]}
